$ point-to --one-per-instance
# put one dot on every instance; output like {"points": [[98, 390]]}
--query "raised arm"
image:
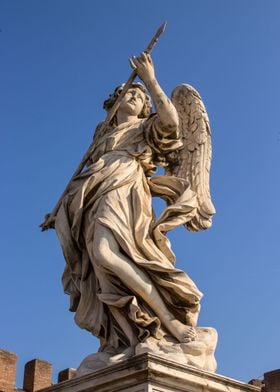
{"points": [[166, 111]]}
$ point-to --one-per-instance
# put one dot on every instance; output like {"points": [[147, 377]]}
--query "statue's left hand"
{"points": [[144, 67]]}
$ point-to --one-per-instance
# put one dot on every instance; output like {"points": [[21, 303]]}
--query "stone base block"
{"points": [[150, 373]]}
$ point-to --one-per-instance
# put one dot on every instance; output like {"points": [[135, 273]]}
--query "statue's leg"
{"points": [[107, 257], [121, 320]]}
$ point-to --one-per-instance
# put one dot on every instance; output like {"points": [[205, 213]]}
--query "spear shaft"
{"points": [[50, 218]]}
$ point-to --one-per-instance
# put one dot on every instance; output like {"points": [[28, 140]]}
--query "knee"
{"points": [[102, 254], [99, 252]]}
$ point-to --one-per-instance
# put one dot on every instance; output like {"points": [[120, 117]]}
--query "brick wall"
{"points": [[8, 363], [37, 374]]}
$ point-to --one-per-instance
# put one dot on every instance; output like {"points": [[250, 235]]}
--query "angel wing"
{"points": [[193, 161]]}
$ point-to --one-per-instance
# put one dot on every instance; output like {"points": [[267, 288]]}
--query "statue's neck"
{"points": [[125, 118]]}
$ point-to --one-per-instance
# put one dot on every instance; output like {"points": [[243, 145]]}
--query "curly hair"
{"points": [[147, 108]]}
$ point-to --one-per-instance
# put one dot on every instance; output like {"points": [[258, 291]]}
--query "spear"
{"points": [[50, 218]]}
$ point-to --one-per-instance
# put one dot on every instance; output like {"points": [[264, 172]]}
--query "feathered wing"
{"points": [[193, 161]]}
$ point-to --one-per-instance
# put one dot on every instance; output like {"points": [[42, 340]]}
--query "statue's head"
{"points": [[147, 107]]}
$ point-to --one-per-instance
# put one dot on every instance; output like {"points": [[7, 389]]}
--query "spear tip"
{"points": [[161, 28]]}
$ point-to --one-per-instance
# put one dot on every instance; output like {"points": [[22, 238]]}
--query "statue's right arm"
{"points": [[166, 111]]}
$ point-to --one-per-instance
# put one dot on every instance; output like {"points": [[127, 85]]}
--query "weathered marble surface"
{"points": [[151, 373], [198, 353], [120, 274]]}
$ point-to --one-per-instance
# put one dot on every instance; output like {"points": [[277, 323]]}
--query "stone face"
{"points": [[37, 375], [150, 373], [8, 362]]}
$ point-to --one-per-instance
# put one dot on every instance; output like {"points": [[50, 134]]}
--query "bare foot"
{"points": [[183, 333]]}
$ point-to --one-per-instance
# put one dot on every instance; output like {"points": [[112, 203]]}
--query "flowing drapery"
{"points": [[116, 191]]}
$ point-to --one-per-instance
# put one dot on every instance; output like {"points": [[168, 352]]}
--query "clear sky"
{"points": [[58, 61]]}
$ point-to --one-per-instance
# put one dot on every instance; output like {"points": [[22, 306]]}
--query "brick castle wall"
{"points": [[37, 374]]}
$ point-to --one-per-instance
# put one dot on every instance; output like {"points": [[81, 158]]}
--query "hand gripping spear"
{"points": [[50, 218]]}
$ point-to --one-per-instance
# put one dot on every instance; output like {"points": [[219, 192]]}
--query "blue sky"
{"points": [[59, 61]]}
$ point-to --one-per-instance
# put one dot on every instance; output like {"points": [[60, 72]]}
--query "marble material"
{"points": [[121, 276], [198, 353], [151, 373]]}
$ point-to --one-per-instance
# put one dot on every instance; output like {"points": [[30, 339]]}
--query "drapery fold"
{"points": [[116, 191]]}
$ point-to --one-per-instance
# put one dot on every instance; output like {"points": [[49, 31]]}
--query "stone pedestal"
{"points": [[150, 373]]}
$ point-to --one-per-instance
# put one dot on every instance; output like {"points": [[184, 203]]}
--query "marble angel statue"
{"points": [[120, 270]]}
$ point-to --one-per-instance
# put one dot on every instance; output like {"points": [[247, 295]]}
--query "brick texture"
{"points": [[8, 363], [272, 381], [66, 374], [37, 375]]}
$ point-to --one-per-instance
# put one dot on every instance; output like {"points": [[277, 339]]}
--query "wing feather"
{"points": [[193, 161]]}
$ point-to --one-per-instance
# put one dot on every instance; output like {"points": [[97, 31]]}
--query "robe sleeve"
{"points": [[160, 140]]}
